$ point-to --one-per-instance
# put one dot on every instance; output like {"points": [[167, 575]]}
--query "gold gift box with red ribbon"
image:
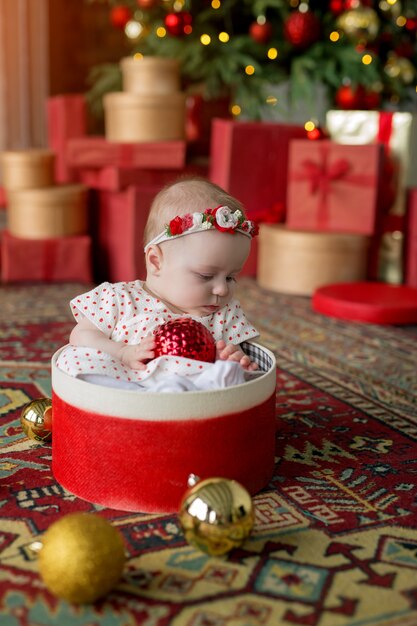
{"points": [[334, 187]]}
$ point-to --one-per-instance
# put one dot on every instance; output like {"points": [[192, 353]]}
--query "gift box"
{"points": [[134, 451], [120, 218], [97, 152], [397, 131], [150, 75], [27, 169], [334, 187], [63, 259], [50, 212], [410, 250], [139, 117], [66, 119], [250, 161], [298, 262]]}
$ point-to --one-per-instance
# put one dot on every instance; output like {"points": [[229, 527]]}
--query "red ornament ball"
{"points": [[348, 97], [179, 23], [316, 133], [187, 338], [302, 29], [120, 15], [261, 33], [147, 4]]}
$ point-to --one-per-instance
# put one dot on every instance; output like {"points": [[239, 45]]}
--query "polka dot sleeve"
{"points": [[236, 327], [100, 306]]}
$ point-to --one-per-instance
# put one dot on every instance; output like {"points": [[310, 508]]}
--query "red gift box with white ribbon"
{"points": [[334, 187]]}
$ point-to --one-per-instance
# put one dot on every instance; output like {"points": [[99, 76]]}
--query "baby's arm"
{"points": [[230, 352], [134, 356]]}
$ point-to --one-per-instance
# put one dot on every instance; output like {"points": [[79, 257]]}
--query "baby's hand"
{"points": [[230, 352], [136, 356]]}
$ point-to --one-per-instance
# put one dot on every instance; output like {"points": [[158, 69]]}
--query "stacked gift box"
{"points": [[143, 149], [46, 237]]}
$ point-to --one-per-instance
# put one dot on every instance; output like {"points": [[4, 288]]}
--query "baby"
{"points": [[197, 240]]}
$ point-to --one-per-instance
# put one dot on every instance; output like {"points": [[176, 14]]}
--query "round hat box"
{"points": [[135, 118], [150, 75], [27, 169], [46, 213], [298, 261], [134, 451]]}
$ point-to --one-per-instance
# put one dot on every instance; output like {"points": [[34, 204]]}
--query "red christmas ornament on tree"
{"points": [[301, 29], [187, 338], [316, 133], [348, 97], [147, 4], [337, 6], [179, 23], [120, 15], [260, 32]]}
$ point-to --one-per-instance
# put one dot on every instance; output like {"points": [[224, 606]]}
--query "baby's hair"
{"points": [[187, 195]]}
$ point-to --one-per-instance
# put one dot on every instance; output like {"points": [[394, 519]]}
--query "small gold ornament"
{"points": [[81, 557], [360, 24], [216, 515], [401, 68], [36, 420]]}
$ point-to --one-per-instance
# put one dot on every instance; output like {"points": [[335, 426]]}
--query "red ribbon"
{"points": [[322, 175]]}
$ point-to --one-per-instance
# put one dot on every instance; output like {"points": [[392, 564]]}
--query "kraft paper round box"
{"points": [[150, 75], [140, 117], [299, 261], [27, 169], [134, 451], [57, 211]]}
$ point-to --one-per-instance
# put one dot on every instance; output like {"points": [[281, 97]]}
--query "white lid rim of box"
{"points": [[152, 406]]}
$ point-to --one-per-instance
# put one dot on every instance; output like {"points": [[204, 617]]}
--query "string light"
{"points": [[216, 4], [367, 59], [133, 29], [236, 110], [205, 39], [309, 126], [161, 32], [334, 36], [249, 69], [138, 56], [271, 100], [272, 53], [224, 37], [401, 21]]}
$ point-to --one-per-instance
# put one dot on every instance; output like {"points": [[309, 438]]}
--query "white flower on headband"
{"points": [[197, 221], [226, 219]]}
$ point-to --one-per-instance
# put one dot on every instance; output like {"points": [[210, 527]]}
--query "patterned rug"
{"points": [[335, 538]]}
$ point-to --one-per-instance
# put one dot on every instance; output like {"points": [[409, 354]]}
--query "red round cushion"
{"points": [[373, 302]]}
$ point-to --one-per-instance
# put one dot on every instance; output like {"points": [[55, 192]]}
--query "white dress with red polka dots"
{"points": [[126, 312]]}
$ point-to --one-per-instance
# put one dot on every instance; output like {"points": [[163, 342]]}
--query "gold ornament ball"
{"points": [[359, 24], [401, 68], [81, 558], [36, 419], [216, 515]]}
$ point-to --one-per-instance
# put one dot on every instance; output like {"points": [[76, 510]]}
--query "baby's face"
{"points": [[199, 271]]}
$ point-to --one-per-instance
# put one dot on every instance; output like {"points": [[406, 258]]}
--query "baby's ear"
{"points": [[153, 258]]}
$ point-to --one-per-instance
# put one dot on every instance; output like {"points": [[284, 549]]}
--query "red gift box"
{"points": [[118, 234], [98, 152], [250, 161], [67, 118], [410, 251], [61, 259], [334, 187]]}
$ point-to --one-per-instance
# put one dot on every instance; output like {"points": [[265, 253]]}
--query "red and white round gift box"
{"points": [[134, 451]]}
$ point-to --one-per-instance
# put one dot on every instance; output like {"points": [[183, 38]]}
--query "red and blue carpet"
{"points": [[335, 538]]}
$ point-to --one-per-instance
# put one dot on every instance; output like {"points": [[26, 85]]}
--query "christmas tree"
{"points": [[363, 52]]}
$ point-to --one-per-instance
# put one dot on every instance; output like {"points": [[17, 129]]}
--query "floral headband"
{"points": [[220, 218]]}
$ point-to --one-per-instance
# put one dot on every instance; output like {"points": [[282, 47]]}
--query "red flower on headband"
{"points": [[176, 226]]}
